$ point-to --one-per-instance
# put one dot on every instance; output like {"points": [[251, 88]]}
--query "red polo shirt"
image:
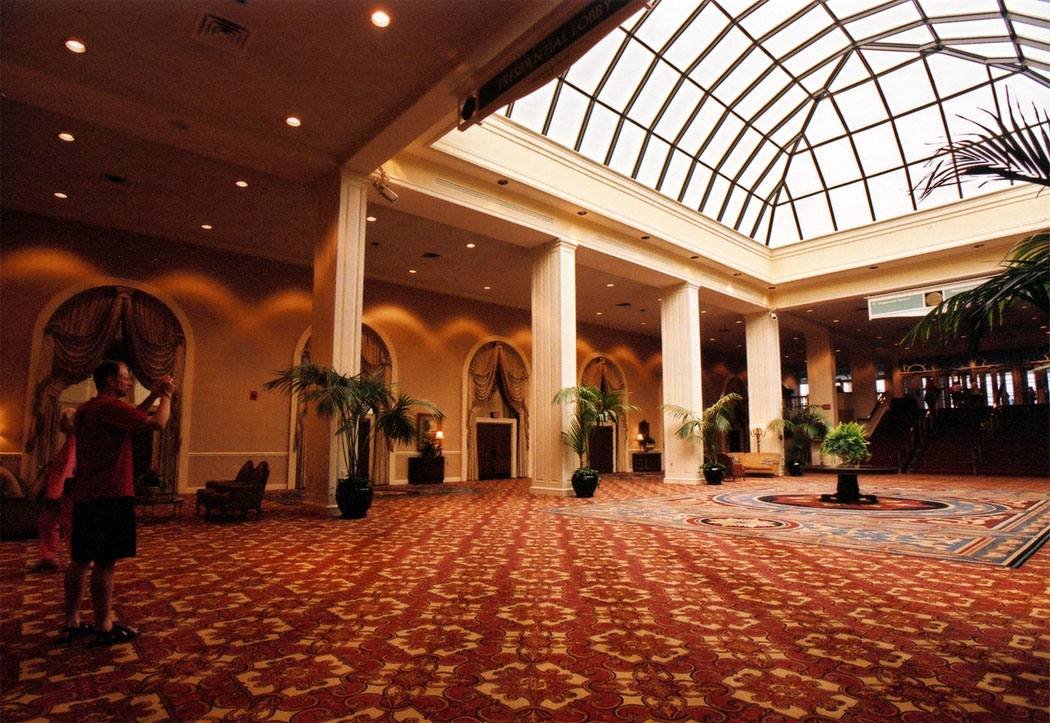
{"points": [[104, 429]]}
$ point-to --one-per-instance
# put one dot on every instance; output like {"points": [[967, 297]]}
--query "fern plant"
{"points": [[848, 441], [706, 428]]}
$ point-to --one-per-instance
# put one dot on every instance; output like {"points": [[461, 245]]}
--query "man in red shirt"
{"points": [[104, 497]]}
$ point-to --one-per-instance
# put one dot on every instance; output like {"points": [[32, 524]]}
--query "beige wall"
{"points": [[245, 317]]}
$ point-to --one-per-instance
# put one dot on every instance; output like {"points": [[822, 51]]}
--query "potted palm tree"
{"points": [[800, 424], [707, 429], [591, 406], [349, 400], [849, 442]]}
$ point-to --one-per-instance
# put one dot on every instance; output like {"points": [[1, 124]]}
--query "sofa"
{"points": [[19, 507], [758, 462]]}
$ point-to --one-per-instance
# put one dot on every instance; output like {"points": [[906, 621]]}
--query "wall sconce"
{"points": [[758, 433]]}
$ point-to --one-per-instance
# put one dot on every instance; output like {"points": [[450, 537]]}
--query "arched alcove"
{"points": [[116, 321], [606, 374], [497, 370]]}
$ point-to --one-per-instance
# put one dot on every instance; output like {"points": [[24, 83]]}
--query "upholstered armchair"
{"points": [[734, 469], [228, 498]]}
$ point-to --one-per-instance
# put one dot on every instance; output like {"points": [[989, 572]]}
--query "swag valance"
{"points": [[78, 337]]}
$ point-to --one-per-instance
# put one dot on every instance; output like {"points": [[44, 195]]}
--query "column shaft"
{"points": [[339, 261], [553, 365], [765, 400], [680, 339]]}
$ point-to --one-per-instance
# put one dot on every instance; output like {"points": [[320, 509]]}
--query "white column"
{"points": [[339, 262], [820, 371], [765, 400], [680, 339], [553, 365]]}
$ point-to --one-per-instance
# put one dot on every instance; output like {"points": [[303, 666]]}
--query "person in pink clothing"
{"points": [[56, 507]]}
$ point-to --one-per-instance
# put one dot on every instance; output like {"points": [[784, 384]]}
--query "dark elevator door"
{"points": [[494, 446], [601, 449]]}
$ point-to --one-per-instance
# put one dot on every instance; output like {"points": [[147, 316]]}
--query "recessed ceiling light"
{"points": [[809, 311], [411, 271], [874, 267], [370, 219], [293, 121], [598, 313], [206, 226], [59, 194], [241, 184], [503, 181], [67, 137], [835, 321], [977, 246], [643, 323], [471, 245], [711, 339], [610, 285], [736, 273], [75, 46], [739, 321], [771, 287], [380, 19], [645, 238], [487, 288], [694, 258], [703, 311]]}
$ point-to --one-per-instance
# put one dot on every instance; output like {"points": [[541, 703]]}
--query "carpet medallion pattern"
{"points": [[497, 605], [994, 528]]}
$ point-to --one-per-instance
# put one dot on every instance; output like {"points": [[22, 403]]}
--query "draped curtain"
{"points": [[299, 435], [375, 361], [605, 375], [75, 342], [495, 366]]}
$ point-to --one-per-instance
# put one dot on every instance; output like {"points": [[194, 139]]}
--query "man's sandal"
{"points": [[72, 633], [114, 636]]}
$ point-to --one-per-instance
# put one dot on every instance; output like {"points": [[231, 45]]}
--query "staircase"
{"points": [[1019, 444], [949, 449], [891, 437]]}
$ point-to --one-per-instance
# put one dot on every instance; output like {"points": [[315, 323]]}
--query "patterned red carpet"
{"points": [[487, 606]]}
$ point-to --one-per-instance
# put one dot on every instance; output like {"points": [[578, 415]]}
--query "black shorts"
{"points": [[103, 530]]}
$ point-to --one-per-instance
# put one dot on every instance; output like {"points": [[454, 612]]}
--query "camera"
{"points": [[773, 315]]}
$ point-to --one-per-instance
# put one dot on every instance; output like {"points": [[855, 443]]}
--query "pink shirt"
{"points": [[105, 426]]}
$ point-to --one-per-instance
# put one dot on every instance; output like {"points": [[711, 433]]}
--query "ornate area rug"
{"points": [[990, 527]]}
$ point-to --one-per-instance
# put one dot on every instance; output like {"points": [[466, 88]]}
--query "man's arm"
{"points": [[162, 388]]}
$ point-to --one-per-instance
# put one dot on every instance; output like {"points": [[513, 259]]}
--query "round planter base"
{"points": [[354, 497]]}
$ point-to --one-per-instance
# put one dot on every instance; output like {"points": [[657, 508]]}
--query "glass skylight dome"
{"points": [[788, 120]]}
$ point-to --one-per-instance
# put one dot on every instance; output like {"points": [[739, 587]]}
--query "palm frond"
{"points": [[1025, 278], [1018, 151]]}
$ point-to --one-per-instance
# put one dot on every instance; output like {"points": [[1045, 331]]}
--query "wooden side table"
{"points": [[426, 470], [646, 462]]}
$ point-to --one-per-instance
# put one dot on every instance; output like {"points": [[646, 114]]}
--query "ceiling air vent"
{"points": [[112, 180], [430, 255], [222, 34]]}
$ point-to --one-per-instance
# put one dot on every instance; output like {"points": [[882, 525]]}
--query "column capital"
{"points": [[681, 286], [560, 243]]}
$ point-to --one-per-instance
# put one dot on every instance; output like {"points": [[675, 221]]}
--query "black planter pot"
{"points": [[713, 475], [585, 482], [794, 469], [354, 496]]}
